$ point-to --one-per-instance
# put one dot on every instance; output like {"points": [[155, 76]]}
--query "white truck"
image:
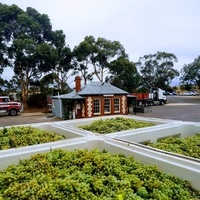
{"points": [[8, 107], [158, 97], [154, 97]]}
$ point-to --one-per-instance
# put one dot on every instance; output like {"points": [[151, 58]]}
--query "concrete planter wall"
{"points": [[129, 143], [182, 168]]}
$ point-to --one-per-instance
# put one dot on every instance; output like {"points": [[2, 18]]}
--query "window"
{"points": [[106, 105], [96, 106], [4, 99], [116, 105]]}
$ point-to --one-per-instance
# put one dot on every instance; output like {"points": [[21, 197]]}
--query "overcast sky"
{"points": [[142, 26]]}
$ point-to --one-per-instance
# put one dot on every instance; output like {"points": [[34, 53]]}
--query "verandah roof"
{"points": [[71, 95]]}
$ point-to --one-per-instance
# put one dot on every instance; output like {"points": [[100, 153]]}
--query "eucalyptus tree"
{"points": [[82, 56], [106, 52], [124, 74], [22, 31], [7, 21], [47, 82], [190, 73], [93, 56], [10, 86], [157, 70], [32, 47], [3, 51], [55, 59], [2, 84], [63, 66]]}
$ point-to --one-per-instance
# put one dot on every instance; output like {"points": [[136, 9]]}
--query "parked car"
{"points": [[169, 93], [174, 93], [190, 93], [166, 93], [196, 93], [185, 94]]}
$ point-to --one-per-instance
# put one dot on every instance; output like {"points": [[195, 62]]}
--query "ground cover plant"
{"points": [[89, 174], [188, 146], [112, 125], [19, 136]]}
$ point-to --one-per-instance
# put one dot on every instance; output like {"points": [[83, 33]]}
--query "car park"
{"points": [[190, 93]]}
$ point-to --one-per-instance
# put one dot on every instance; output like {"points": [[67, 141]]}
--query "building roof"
{"points": [[93, 88], [71, 95], [100, 88]]}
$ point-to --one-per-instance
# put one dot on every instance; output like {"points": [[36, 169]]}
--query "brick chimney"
{"points": [[77, 83]]}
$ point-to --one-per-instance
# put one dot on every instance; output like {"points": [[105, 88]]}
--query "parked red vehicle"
{"points": [[8, 107]]}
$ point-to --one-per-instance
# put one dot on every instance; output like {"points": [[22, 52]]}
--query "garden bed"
{"points": [[187, 146], [20, 136], [177, 166], [90, 174], [180, 138], [111, 125]]}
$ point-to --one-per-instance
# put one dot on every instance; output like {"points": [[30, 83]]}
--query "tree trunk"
{"points": [[24, 87]]}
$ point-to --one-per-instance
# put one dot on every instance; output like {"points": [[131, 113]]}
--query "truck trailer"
{"points": [[155, 97], [142, 102]]}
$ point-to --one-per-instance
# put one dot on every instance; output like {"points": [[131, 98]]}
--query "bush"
{"points": [[37, 101]]}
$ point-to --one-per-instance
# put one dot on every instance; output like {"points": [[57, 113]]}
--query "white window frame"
{"points": [[107, 106], [95, 106], [117, 105]]}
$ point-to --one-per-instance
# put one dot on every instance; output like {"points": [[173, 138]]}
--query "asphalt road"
{"points": [[27, 118], [184, 108]]}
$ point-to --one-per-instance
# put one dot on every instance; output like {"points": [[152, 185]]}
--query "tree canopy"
{"points": [[124, 74], [190, 73], [98, 54], [157, 70], [31, 47], [82, 56]]}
